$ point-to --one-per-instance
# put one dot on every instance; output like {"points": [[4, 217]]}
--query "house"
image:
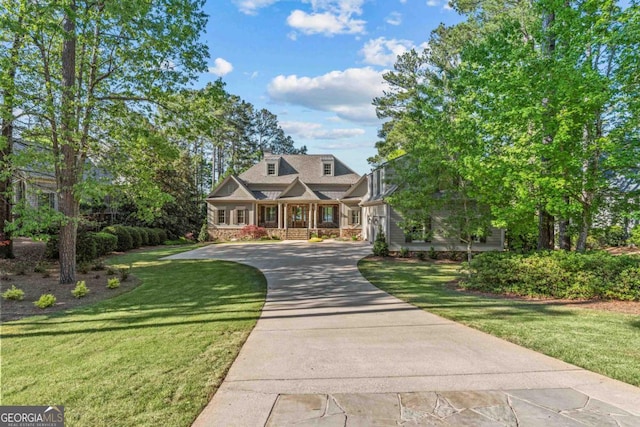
{"points": [[35, 183], [378, 215], [291, 196]]}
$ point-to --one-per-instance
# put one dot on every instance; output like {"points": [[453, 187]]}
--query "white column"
{"points": [[286, 208], [310, 215]]}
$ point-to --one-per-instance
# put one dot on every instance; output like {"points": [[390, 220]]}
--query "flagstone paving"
{"points": [[331, 349]]}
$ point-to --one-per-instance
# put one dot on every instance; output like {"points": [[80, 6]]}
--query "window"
{"points": [[222, 217], [270, 213], [417, 231], [327, 169], [327, 214], [47, 200], [240, 216], [378, 189], [355, 216], [271, 168]]}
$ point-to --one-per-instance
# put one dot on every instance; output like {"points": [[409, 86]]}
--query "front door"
{"points": [[298, 216]]}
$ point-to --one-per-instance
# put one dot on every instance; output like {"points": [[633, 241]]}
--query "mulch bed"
{"points": [[30, 254]]}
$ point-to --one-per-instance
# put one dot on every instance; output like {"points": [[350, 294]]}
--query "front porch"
{"points": [[309, 216]]}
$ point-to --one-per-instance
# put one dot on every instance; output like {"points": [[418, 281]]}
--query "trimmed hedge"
{"points": [[125, 241], [105, 242], [557, 274]]}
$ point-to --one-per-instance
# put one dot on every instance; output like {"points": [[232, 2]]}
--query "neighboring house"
{"points": [[35, 184], [292, 196], [378, 215]]}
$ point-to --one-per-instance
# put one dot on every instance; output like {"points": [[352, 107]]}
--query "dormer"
{"points": [[272, 165], [328, 166]]}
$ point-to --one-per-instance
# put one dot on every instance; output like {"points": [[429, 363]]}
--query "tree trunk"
{"points": [[67, 176], [545, 231], [585, 226], [563, 235], [6, 186]]}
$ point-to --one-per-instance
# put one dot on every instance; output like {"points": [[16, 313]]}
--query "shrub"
{"points": [[404, 253], [124, 273], [113, 283], [98, 266], [422, 256], [80, 290], [203, 236], [252, 232], [14, 294], [432, 253], [125, 241], [136, 236], [86, 248], [557, 274], [144, 234], [634, 239], [615, 236], [21, 268], [45, 300], [105, 243], [84, 267], [380, 246], [316, 240], [40, 267], [110, 271]]}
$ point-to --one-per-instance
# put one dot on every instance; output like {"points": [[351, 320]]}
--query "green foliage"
{"points": [[316, 240], [45, 300], [144, 235], [124, 273], [557, 274], [433, 254], [13, 293], [615, 236], [380, 246], [422, 256], [404, 253], [203, 235], [105, 242], [125, 240], [634, 239], [113, 283], [21, 268], [80, 290], [84, 267], [40, 267], [86, 248], [136, 236]]}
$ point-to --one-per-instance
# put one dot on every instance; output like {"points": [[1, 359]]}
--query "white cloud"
{"points": [[221, 67], [433, 3], [310, 130], [329, 17], [347, 93], [251, 7], [394, 18], [382, 51]]}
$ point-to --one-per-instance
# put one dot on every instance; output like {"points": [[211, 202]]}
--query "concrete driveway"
{"points": [[331, 349]]}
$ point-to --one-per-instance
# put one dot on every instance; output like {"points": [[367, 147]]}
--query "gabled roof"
{"points": [[306, 167], [298, 190], [232, 188], [358, 190]]}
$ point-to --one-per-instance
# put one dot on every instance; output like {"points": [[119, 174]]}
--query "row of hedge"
{"points": [[135, 237], [557, 274], [91, 245]]}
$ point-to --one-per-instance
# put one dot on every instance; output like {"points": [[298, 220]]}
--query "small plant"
{"points": [[124, 273], [203, 236], [315, 240], [84, 268], [422, 256], [432, 253], [21, 268], [380, 246], [111, 271], [14, 294], [40, 267], [354, 238], [113, 283], [45, 300], [99, 266], [404, 253], [80, 290]]}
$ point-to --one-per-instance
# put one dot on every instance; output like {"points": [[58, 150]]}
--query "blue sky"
{"points": [[317, 64]]}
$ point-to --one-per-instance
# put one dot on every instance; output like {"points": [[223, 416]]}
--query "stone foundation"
{"points": [[279, 233]]}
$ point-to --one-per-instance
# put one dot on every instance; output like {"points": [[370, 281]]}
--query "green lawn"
{"points": [[153, 356], [603, 342]]}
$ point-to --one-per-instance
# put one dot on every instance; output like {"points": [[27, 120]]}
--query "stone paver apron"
{"points": [[331, 349]]}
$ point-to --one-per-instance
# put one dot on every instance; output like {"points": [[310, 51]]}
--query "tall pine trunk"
{"points": [[67, 176], [6, 181]]}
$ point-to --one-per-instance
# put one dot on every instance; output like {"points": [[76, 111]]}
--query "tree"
{"points": [[103, 58]]}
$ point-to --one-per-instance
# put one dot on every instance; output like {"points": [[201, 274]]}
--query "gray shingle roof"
{"points": [[308, 168]]}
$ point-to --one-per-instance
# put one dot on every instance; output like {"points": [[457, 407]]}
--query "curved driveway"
{"points": [[331, 349]]}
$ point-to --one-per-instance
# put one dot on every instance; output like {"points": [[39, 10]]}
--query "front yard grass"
{"points": [[152, 356], [600, 341]]}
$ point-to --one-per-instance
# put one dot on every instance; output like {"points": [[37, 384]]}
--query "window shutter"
{"points": [[246, 216]]}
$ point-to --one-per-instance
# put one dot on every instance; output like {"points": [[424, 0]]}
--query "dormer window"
{"points": [[271, 169], [327, 169]]}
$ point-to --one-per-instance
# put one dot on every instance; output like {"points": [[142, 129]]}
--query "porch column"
{"points": [[286, 208], [310, 215], [279, 215], [315, 215]]}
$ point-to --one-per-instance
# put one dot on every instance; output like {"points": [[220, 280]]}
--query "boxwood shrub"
{"points": [[125, 240], [557, 274]]}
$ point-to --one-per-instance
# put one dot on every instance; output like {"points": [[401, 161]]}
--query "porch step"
{"points": [[297, 234]]}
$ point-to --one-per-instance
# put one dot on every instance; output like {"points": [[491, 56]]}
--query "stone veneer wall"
{"points": [[234, 233]]}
